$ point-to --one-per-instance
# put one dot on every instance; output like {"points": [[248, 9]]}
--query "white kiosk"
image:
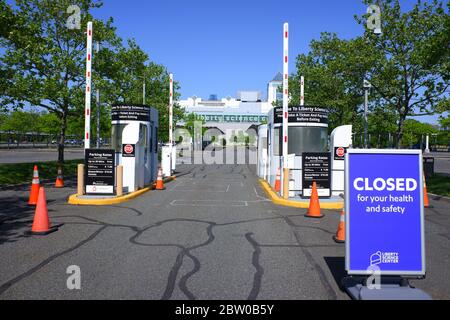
{"points": [[135, 141], [307, 131]]}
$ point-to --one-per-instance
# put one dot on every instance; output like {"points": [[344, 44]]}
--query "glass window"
{"points": [[307, 139], [277, 142], [116, 137]]}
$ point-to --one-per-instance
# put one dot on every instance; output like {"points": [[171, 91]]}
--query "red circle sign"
{"points": [[340, 152], [128, 148]]}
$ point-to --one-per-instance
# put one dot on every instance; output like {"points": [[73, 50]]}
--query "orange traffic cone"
{"points": [[278, 180], [35, 184], [59, 179], [426, 201], [340, 233], [41, 222], [314, 205], [159, 181]]}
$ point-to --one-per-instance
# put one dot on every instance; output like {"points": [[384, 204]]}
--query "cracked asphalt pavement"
{"points": [[212, 234]]}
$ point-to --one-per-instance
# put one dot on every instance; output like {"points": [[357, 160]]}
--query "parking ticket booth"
{"points": [[307, 132], [135, 142]]}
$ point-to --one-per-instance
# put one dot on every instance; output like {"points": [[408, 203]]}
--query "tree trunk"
{"points": [[399, 131], [62, 138]]}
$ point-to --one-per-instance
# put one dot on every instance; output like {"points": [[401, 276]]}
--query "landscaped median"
{"points": [[336, 205], [77, 199]]}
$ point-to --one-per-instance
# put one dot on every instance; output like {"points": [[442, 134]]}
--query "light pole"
{"points": [[143, 89], [366, 86]]}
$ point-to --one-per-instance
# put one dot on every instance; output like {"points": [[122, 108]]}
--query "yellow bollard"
{"points": [[80, 179], [286, 183], [119, 187]]}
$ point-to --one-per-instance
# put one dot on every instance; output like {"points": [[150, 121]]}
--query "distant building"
{"points": [[245, 111]]}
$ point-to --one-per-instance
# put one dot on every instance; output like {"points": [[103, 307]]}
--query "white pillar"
{"points": [[87, 114], [427, 144]]}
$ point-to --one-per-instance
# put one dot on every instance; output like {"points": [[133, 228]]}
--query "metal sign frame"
{"points": [[419, 273]]}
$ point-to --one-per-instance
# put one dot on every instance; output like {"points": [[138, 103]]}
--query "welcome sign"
{"points": [[384, 212]]}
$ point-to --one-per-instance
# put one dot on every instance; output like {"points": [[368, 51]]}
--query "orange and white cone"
{"points": [[35, 185], [59, 179], [159, 181], [340, 233], [278, 181], [41, 222], [426, 201], [314, 204]]}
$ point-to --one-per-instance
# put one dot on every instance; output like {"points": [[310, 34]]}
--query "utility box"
{"points": [[428, 166], [135, 142]]}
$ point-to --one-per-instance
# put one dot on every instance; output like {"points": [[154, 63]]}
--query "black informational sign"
{"points": [[129, 112], [128, 150], [339, 153], [99, 171], [316, 167], [305, 114]]}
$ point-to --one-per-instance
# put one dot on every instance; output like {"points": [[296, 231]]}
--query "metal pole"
{"points": [[302, 91], [285, 109], [143, 91], [87, 120], [366, 102], [98, 119]]}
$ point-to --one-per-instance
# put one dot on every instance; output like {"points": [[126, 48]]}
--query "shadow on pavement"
{"points": [[15, 217], [337, 268]]}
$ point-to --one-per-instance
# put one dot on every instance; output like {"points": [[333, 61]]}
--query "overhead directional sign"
{"points": [[130, 112], [384, 212], [303, 114]]}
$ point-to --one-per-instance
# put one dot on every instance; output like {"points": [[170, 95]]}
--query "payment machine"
{"points": [[135, 141]]}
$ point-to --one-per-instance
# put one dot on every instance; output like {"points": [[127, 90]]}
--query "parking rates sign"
{"points": [[384, 212]]}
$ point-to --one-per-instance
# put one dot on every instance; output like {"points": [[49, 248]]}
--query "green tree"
{"points": [[333, 71], [44, 61], [405, 78]]}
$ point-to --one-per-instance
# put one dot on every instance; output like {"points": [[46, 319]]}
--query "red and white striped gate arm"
{"points": [[171, 108], [87, 114], [285, 92]]}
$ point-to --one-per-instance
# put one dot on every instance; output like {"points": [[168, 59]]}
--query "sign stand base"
{"points": [[391, 288]]}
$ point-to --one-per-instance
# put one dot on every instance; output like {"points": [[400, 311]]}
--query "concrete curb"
{"points": [[73, 199], [438, 196], [290, 203]]}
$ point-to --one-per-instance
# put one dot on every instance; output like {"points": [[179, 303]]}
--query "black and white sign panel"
{"points": [[130, 112], [316, 167], [303, 114], [99, 171]]}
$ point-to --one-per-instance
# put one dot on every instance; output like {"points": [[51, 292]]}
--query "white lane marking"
{"points": [[209, 203]]}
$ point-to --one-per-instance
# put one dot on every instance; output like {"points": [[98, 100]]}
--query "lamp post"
{"points": [[366, 86]]}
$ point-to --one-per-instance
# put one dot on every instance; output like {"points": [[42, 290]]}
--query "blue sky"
{"points": [[225, 46], [220, 47]]}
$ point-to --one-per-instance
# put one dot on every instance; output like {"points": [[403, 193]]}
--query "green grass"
{"points": [[439, 184], [16, 173]]}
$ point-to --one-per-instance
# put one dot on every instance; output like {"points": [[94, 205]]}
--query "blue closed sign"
{"points": [[384, 212]]}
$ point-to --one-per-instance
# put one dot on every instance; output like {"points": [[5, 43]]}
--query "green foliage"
{"points": [[43, 65], [408, 66], [15, 173]]}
